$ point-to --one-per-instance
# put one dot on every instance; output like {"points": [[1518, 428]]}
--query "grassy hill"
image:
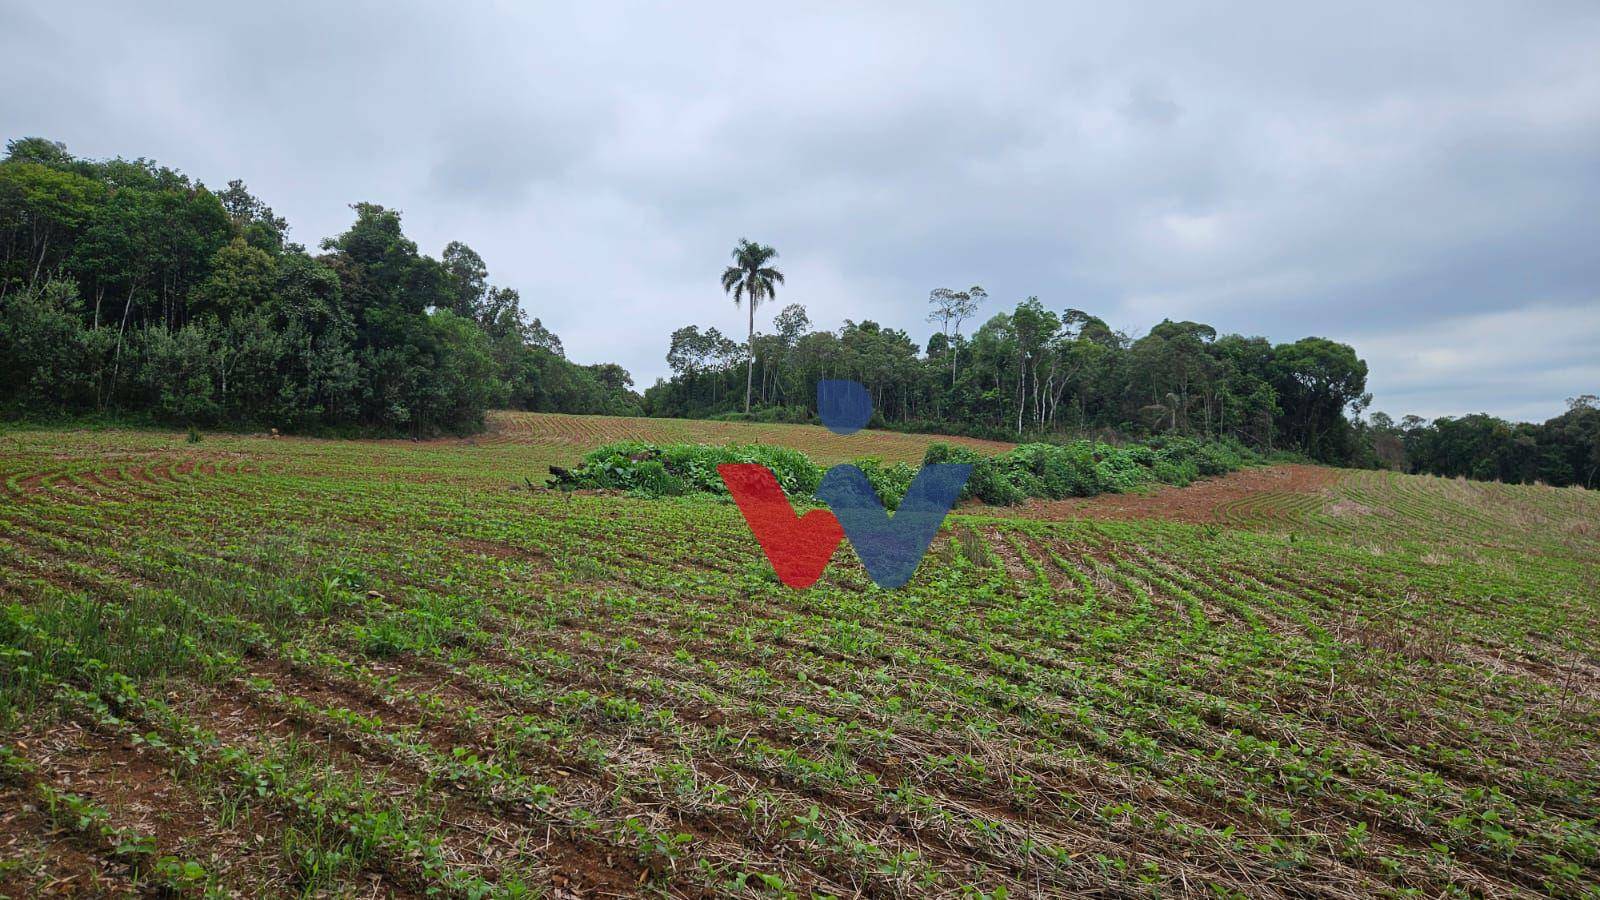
{"points": [[280, 666]]}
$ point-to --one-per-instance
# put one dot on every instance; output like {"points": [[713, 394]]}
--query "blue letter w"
{"points": [[891, 549]]}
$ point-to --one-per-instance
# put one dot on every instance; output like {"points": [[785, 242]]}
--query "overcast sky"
{"points": [[1419, 180]]}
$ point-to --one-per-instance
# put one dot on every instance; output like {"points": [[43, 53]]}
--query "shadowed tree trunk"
{"points": [[750, 362]]}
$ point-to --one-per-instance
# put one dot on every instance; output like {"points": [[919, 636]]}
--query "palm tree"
{"points": [[751, 278]]}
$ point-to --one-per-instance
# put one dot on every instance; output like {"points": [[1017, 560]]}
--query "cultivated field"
{"points": [[287, 667], [562, 436]]}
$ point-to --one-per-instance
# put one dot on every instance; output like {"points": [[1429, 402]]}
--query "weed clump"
{"points": [[1086, 468], [1053, 471], [669, 470]]}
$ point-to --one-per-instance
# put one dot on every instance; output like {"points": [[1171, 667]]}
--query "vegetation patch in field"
{"points": [[1087, 468], [1078, 469], [664, 470]]}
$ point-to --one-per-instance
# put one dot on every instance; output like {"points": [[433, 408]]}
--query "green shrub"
{"points": [[1144, 456], [1168, 472], [890, 482], [1070, 471], [783, 414], [1021, 477], [1054, 471], [1219, 459], [670, 469], [652, 479], [940, 452], [1120, 470], [1077, 469], [988, 482]]}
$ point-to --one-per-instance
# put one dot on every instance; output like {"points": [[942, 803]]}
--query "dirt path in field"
{"points": [[1235, 498]]}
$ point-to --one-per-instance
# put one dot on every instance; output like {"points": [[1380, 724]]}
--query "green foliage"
{"points": [[390, 683], [988, 481], [1562, 451], [1122, 471], [1034, 372], [890, 482], [50, 360], [1079, 469], [672, 469], [1069, 471], [1083, 468]]}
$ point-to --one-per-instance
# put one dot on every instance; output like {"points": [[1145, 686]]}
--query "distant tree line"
{"points": [[128, 289], [1034, 371], [1562, 451]]}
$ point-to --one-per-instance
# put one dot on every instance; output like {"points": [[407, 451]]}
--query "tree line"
{"points": [[1561, 451], [128, 289], [1033, 372], [1029, 371]]}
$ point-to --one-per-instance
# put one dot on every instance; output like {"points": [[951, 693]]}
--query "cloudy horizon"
{"points": [[1422, 183]]}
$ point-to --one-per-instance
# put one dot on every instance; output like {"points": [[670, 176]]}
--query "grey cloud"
{"points": [[1379, 174]]}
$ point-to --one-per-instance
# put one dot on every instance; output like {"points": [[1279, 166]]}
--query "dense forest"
{"points": [[130, 291], [1032, 371]]}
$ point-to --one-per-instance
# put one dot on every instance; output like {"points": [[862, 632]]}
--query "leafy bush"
{"points": [[1083, 468], [1070, 472], [653, 479], [669, 469], [1144, 456], [890, 482], [1016, 471], [1078, 469], [1218, 459], [1168, 472], [1048, 470], [1120, 470], [768, 414], [988, 482]]}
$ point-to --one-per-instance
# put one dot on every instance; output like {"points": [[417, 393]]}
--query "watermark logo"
{"points": [[889, 546]]}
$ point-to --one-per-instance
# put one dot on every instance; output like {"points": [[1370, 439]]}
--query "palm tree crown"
{"points": [[751, 278]]}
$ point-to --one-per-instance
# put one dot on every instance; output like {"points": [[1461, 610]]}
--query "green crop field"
{"points": [[257, 667]]}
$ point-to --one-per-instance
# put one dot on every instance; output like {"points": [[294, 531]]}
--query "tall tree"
{"points": [[253, 220], [468, 279], [751, 279], [791, 324], [1316, 379], [951, 308]]}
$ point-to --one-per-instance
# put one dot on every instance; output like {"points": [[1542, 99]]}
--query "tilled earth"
{"points": [[259, 667]]}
